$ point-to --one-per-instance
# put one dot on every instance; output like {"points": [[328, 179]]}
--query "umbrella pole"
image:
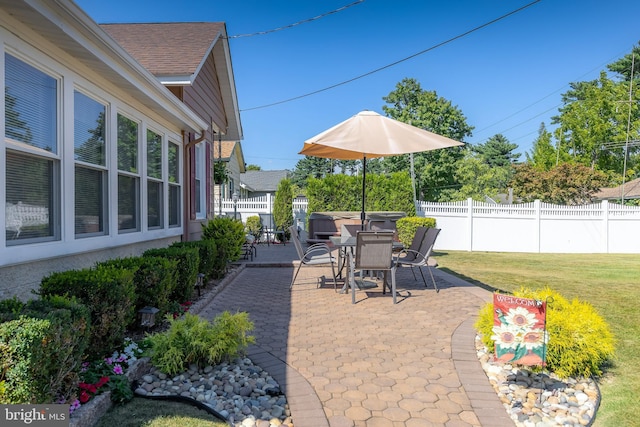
{"points": [[364, 180]]}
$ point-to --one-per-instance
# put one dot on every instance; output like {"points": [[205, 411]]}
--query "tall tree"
{"points": [[497, 151], [594, 121], [543, 154], [478, 179], [253, 167], [309, 166], [565, 184], [622, 66], [434, 170]]}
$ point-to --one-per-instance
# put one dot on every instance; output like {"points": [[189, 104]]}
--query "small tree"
{"points": [[283, 205]]}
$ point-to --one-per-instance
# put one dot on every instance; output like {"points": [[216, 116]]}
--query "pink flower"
{"points": [[117, 370]]}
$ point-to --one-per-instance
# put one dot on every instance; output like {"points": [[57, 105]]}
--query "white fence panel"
{"points": [[535, 227], [528, 227]]}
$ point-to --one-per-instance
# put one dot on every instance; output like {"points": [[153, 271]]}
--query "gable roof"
{"points": [[631, 191], [169, 49], [227, 149], [175, 52], [266, 181]]}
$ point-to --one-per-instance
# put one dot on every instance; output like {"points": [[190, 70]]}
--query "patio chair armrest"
{"points": [[317, 246], [406, 252], [316, 250]]}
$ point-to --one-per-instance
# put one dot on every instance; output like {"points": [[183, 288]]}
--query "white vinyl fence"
{"points": [[528, 227], [535, 227]]}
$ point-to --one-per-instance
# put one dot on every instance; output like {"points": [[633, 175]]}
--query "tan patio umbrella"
{"points": [[369, 135]]}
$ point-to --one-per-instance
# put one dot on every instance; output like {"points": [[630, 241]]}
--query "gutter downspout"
{"points": [[186, 205]]}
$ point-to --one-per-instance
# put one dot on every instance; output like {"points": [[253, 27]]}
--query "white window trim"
{"points": [[73, 78], [200, 161]]}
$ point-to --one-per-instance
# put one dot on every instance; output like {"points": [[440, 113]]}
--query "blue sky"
{"points": [[506, 78]]}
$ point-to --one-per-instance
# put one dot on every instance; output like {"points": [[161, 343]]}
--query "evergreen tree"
{"points": [[283, 205], [434, 170], [497, 151]]}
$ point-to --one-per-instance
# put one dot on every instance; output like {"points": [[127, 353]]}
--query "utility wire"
{"points": [[459, 36], [261, 33], [542, 99]]}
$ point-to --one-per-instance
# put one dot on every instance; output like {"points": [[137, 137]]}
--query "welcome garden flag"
{"points": [[519, 330]]}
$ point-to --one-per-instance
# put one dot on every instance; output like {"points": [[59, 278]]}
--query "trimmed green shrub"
{"points": [[338, 192], [10, 309], [188, 262], [108, 292], [229, 236], [580, 340], [154, 279], [408, 225], [193, 340], [208, 251], [283, 207], [42, 350]]}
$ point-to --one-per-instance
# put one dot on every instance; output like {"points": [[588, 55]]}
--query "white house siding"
{"points": [[22, 265]]}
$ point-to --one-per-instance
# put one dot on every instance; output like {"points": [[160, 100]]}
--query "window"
{"points": [[174, 185], [200, 183], [154, 180], [90, 169], [32, 163], [128, 176]]}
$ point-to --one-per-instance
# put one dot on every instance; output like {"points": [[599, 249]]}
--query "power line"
{"points": [[459, 36], [542, 99], [304, 21]]}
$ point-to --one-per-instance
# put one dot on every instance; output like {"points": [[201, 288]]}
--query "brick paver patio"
{"points": [[369, 364]]}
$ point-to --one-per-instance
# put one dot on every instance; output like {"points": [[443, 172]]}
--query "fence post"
{"points": [[537, 206], [470, 223], [605, 225]]}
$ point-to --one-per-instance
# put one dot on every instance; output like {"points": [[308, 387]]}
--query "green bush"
{"points": [[10, 309], [193, 340], [283, 207], [42, 351], [253, 226], [407, 227], [580, 341], [108, 292], [384, 192], [229, 236], [188, 262], [208, 251], [154, 279]]}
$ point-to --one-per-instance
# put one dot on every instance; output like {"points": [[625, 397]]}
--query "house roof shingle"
{"points": [[227, 149], [263, 181], [167, 49], [631, 191]]}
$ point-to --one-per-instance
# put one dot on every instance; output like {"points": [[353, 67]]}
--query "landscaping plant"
{"points": [[108, 292], [193, 340], [580, 341], [229, 236], [407, 227]]}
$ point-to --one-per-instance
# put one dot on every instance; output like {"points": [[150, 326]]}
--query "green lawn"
{"points": [[611, 283], [142, 412]]}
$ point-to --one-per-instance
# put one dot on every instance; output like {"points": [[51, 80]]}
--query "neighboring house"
{"points": [[103, 157], [260, 183], [193, 61], [630, 190], [229, 153]]}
